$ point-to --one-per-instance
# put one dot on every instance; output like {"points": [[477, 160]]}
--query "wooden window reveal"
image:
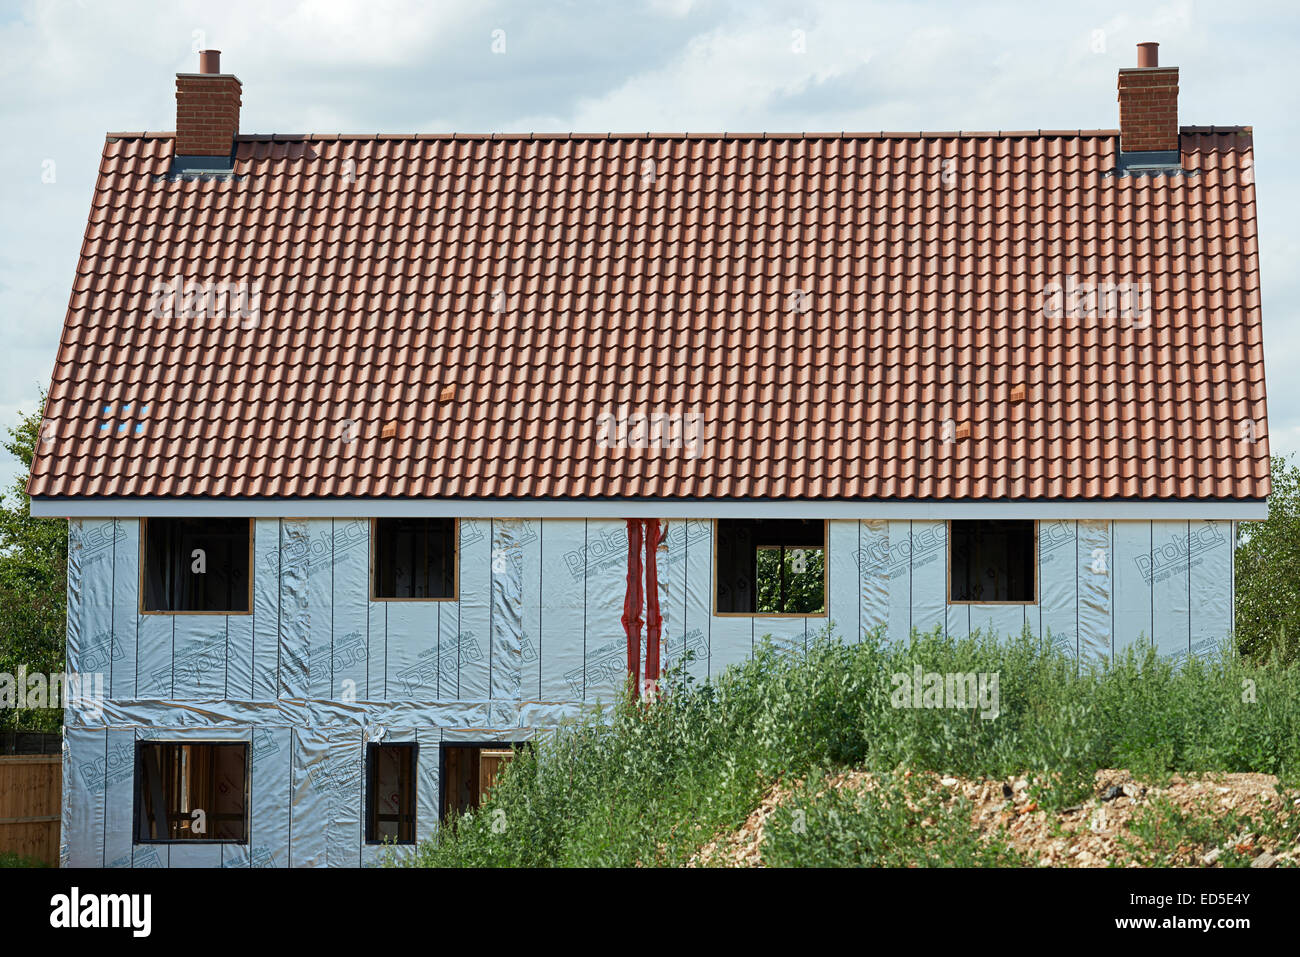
{"points": [[469, 772]]}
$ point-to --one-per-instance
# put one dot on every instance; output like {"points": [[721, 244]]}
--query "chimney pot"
{"points": [[1148, 105], [207, 112]]}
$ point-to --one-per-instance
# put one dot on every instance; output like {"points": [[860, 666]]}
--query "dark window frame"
{"points": [[137, 788], [373, 571], [948, 548], [826, 577], [144, 558], [372, 770], [466, 745]]}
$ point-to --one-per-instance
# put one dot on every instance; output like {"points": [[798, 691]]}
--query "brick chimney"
{"points": [[1148, 104], [207, 110]]}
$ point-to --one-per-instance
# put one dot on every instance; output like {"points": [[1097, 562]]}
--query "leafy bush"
{"points": [[1268, 572], [33, 584], [649, 785]]}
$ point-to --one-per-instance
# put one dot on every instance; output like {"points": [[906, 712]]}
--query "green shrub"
{"points": [[33, 583], [648, 785], [1267, 564]]}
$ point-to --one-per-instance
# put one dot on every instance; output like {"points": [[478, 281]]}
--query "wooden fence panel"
{"points": [[30, 796]]}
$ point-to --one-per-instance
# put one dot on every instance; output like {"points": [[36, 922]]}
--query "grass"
{"points": [[10, 859], [648, 785]]}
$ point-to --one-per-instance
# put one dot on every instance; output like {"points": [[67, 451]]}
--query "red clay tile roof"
{"points": [[833, 306]]}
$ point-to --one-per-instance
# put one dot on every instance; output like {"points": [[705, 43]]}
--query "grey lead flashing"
{"points": [[914, 510], [203, 165], [1138, 162]]}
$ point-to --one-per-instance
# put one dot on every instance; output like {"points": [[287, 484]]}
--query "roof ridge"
{"points": [[723, 135], [684, 135]]}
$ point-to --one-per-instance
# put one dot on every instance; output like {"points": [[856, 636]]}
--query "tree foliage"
{"points": [[791, 581], [1268, 572], [33, 582]]}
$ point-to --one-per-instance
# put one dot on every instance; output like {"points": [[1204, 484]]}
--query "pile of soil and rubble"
{"points": [[1086, 835]]}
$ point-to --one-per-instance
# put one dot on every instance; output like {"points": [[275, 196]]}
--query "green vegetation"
{"points": [[1165, 835], [10, 859], [33, 584], [903, 822], [791, 581], [1268, 572], [653, 784]]}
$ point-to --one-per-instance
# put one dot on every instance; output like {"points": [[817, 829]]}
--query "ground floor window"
{"points": [[390, 793], [191, 791], [770, 567], [468, 773], [993, 560]]}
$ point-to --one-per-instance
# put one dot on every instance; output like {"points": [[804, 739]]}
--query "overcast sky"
{"points": [[74, 70]]}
